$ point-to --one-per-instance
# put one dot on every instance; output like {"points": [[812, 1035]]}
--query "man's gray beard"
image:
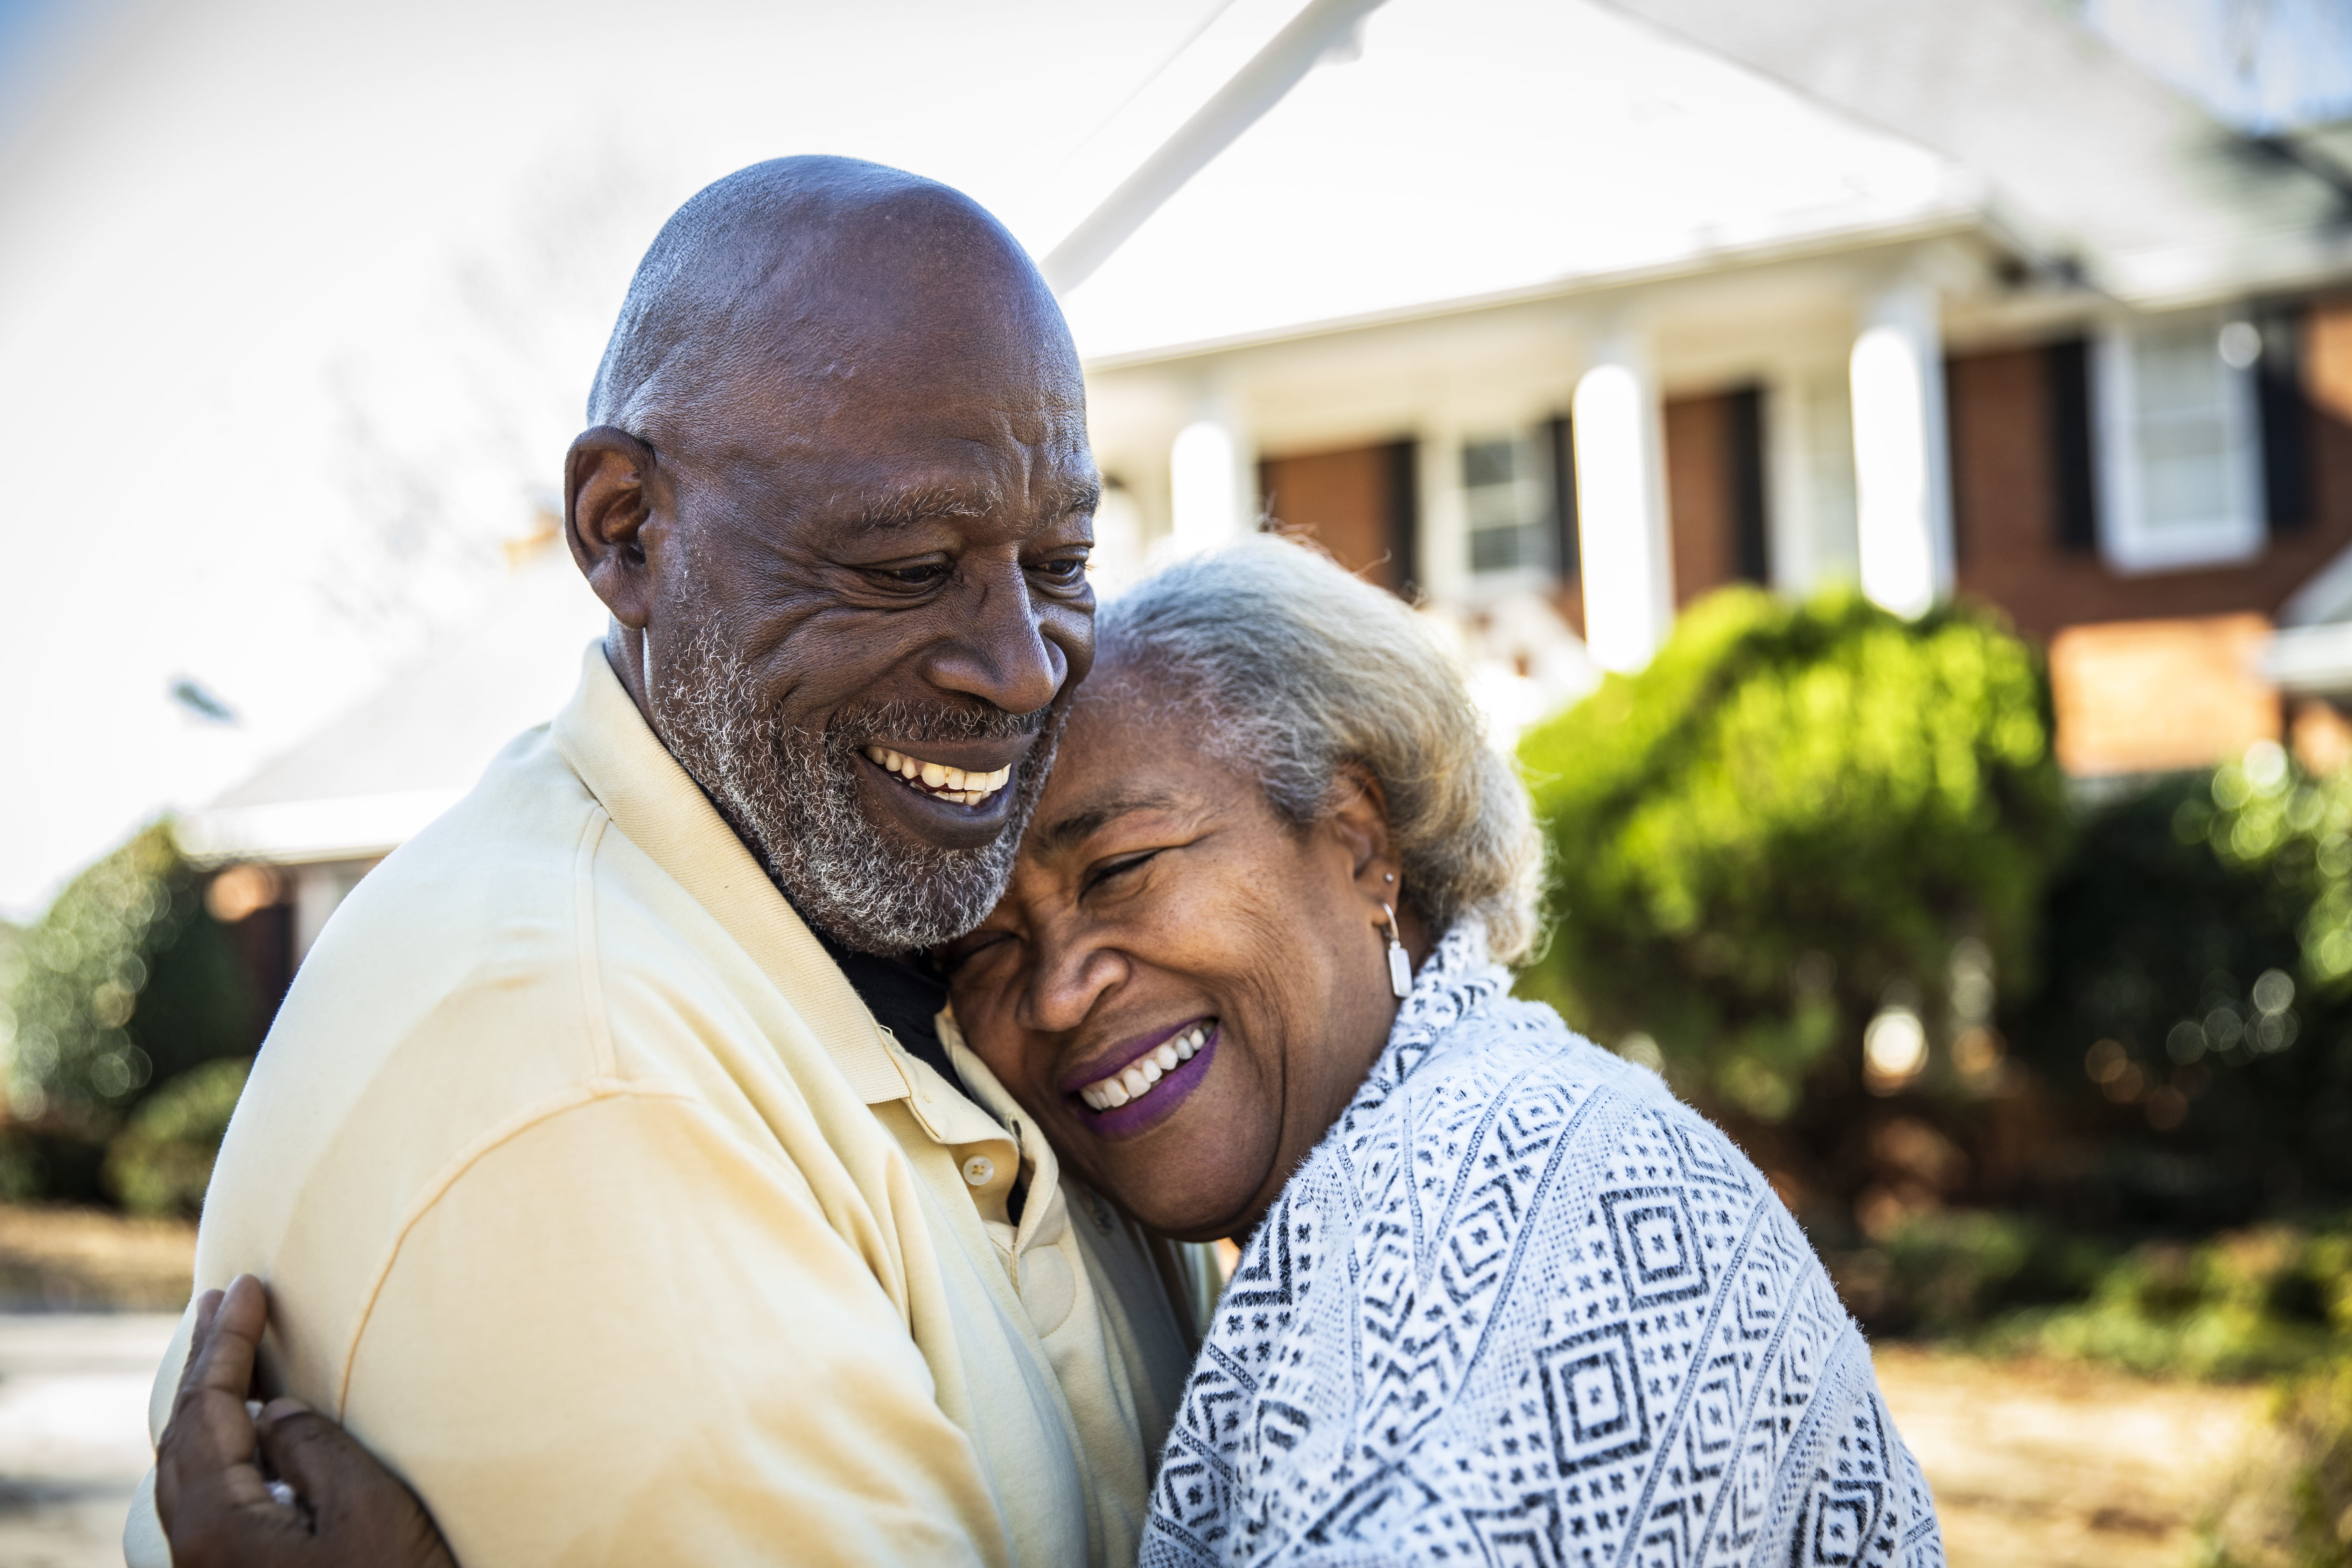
{"points": [[792, 795]]}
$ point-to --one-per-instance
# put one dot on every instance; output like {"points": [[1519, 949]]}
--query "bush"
{"points": [[2270, 1298], [162, 1161], [125, 981], [1795, 818], [2194, 1026], [2291, 1506], [1952, 1272]]}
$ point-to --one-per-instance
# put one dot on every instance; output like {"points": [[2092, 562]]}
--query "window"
{"points": [[2180, 481], [1506, 496]]}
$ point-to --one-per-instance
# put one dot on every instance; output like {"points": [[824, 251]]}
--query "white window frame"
{"points": [[2127, 541], [1534, 482]]}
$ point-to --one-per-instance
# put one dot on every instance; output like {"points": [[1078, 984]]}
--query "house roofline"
{"points": [[1975, 218]]}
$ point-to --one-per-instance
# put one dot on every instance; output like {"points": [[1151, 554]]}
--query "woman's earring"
{"points": [[1400, 967]]}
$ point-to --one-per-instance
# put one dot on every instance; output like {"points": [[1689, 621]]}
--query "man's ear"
{"points": [[1360, 822], [608, 500]]}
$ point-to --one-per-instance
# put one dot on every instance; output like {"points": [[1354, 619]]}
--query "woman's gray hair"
{"points": [[1298, 670]]}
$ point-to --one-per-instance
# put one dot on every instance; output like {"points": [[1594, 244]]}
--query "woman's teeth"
{"points": [[936, 779], [1135, 1081]]}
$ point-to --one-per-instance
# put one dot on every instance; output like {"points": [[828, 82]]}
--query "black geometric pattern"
{"points": [[1522, 1306]]}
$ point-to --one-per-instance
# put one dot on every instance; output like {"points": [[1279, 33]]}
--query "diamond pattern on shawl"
{"points": [[1521, 1306]]}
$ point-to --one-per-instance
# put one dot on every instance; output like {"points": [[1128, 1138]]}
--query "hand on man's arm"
{"points": [[330, 1502]]}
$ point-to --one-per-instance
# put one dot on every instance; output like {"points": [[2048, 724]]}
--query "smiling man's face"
{"points": [[861, 574]]}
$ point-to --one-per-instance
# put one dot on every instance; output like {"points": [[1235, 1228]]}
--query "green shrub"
{"points": [[1793, 816], [126, 981], [2291, 1504], [1951, 1272], [2267, 1300], [162, 1161], [2193, 1026]]}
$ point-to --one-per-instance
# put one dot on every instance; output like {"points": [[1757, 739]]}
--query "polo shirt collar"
{"points": [[660, 808]]}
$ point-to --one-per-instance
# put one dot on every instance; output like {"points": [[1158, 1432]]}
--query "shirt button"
{"points": [[980, 1169]]}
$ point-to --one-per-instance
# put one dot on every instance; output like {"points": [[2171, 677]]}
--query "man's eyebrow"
{"points": [[923, 503], [1064, 832]]}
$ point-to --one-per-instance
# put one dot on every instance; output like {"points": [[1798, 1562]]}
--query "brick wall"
{"points": [[1715, 497], [2004, 490], [1355, 503], [1698, 492]]}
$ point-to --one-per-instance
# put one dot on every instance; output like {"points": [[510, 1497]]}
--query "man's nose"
{"points": [[998, 651]]}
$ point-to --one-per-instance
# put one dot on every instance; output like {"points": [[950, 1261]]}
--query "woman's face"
{"points": [[1162, 913]]}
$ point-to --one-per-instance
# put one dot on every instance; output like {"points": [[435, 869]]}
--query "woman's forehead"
{"points": [[1126, 750], [1122, 710]]}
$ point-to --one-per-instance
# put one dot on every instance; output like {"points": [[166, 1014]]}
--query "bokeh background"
{"points": [[1887, 466]]}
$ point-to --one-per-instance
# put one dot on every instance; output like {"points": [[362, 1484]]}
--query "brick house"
{"points": [[1558, 316], [1561, 315]]}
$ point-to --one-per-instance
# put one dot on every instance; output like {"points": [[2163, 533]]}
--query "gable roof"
{"points": [[406, 753], [2160, 201], [1480, 149], [1454, 153]]}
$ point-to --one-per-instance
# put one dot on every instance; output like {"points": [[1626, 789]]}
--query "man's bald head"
{"points": [[837, 495], [811, 269]]}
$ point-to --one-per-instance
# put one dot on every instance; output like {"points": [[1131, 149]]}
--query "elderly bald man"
{"points": [[621, 1052]]}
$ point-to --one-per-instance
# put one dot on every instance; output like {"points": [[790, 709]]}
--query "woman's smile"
{"points": [[1139, 1082], [1183, 987]]}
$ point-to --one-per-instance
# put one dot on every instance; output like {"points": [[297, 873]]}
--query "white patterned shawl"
{"points": [[1523, 1306]]}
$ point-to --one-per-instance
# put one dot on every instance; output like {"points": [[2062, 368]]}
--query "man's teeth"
{"points": [[938, 779], [1136, 1080]]}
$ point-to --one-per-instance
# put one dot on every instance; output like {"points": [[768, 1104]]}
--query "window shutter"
{"points": [[1404, 515], [1561, 434], [2285, 414], [1743, 418], [2073, 468]]}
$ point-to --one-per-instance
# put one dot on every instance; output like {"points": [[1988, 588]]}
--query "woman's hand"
{"points": [[283, 1489]]}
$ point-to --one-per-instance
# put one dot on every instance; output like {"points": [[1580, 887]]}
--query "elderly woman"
{"points": [[1503, 1297]]}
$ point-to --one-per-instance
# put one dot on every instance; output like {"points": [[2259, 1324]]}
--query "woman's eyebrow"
{"points": [[1065, 831]]}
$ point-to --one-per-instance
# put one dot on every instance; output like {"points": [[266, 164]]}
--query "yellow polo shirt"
{"points": [[591, 1198]]}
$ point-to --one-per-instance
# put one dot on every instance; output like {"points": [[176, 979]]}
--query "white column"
{"points": [[1620, 509], [1212, 483], [1789, 511], [1443, 525], [1902, 466]]}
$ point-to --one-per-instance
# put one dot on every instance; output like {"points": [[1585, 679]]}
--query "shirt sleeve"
{"points": [[621, 1337]]}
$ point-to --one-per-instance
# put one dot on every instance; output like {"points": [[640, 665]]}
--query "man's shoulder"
{"points": [[504, 891], [445, 995], [511, 840]]}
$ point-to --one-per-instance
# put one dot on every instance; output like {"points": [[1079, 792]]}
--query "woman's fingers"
{"points": [[217, 1507], [313, 1454], [363, 1513], [228, 1337], [204, 1460]]}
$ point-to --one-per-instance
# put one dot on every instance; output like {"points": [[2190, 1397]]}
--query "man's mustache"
{"points": [[904, 720]]}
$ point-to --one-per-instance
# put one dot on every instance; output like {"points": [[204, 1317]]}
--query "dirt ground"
{"points": [[2056, 1464], [64, 1260]]}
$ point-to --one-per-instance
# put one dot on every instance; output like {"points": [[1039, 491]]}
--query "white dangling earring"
{"points": [[1400, 967], [646, 661]]}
